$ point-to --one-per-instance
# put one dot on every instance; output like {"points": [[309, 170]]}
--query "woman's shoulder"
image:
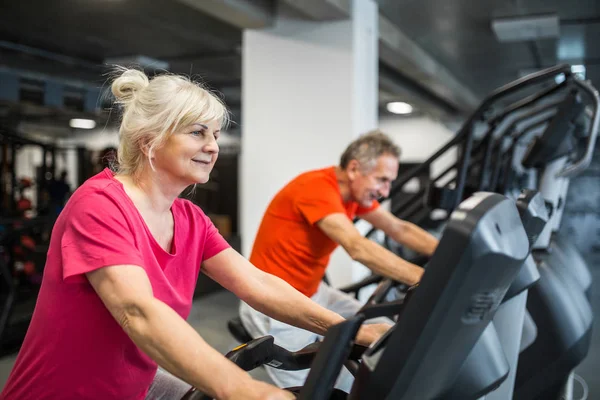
{"points": [[97, 193]]}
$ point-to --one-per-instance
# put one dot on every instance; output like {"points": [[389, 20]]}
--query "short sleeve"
{"points": [[96, 234], [319, 200], [364, 210], [215, 243]]}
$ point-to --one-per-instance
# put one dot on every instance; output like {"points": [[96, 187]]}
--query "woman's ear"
{"points": [[146, 148]]}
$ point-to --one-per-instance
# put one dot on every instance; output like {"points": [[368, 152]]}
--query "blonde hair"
{"points": [[368, 148], [154, 108]]}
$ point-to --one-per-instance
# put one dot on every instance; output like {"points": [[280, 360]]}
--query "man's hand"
{"points": [[419, 273], [370, 333], [258, 390]]}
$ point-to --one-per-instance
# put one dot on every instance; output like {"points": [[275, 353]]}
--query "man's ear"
{"points": [[353, 169]]}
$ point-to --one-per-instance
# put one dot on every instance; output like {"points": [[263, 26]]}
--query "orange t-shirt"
{"points": [[289, 244]]}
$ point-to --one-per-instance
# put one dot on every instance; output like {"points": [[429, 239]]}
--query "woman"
{"points": [[123, 261]]}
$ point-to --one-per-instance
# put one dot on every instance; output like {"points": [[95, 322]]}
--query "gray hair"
{"points": [[368, 148]]}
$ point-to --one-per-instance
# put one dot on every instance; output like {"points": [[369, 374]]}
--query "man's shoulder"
{"points": [[322, 177]]}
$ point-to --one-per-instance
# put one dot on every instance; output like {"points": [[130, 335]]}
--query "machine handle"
{"points": [[574, 169]]}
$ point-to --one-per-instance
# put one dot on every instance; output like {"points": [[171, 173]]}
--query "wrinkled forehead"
{"points": [[385, 166]]}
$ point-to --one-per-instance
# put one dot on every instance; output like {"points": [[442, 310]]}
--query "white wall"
{"points": [[309, 88], [296, 115], [279, 142]]}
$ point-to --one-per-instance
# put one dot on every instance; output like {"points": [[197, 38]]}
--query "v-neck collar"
{"points": [[173, 250]]}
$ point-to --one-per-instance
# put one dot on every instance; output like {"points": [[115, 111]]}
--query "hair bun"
{"points": [[128, 84]]}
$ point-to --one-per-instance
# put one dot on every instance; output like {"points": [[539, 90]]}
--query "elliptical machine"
{"points": [[480, 254], [558, 303]]}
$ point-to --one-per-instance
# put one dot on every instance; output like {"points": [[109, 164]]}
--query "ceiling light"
{"points": [[524, 28], [82, 123], [399, 107]]}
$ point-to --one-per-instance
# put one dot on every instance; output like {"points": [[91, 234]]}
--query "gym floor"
{"points": [[210, 314]]}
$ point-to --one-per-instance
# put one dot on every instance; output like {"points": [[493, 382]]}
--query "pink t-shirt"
{"points": [[74, 348]]}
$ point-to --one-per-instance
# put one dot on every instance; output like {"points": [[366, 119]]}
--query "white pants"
{"points": [[167, 387], [294, 339]]}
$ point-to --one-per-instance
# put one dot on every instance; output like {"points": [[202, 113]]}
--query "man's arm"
{"points": [[380, 260], [276, 298], [403, 232]]}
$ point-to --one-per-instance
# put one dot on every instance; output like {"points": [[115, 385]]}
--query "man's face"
{"points": [[371, 184]]}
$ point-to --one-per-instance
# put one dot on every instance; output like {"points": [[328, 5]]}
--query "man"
{"points": [[310, 217]]}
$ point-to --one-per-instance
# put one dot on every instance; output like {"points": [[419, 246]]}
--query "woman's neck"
{"points": [[150, 192]]}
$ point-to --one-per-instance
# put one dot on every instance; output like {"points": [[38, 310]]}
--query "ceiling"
{"points": [[92, 31], [73, 41], [458, 34]]}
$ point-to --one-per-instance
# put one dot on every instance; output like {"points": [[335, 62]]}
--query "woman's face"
{"points": [[190, 153]]}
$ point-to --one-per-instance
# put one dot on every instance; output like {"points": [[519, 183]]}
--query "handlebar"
{"points": [[582, 164]]}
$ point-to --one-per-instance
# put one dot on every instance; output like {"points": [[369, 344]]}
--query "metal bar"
{"points": [[13, 178], [15, 138], [528, 101], [498, 142], [409, 200], [67, 60], [462, 171], [42, 179], [465, 134], [7, 307], [584, 162], [3, 156], [486, 161], [510, 174], [53, 161], [466, 131], [528, 129], [496, 172], [410, 211], [528, 80], [404, 178]]}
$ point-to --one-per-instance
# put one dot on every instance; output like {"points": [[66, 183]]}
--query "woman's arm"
{"points": [[275, 297], [169, 340]]}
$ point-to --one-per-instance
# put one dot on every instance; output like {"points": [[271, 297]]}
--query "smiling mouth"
{"points": [[201, 162]]}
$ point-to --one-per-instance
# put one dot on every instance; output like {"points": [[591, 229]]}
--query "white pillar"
{"points": [[309, 88], [28, 158]]}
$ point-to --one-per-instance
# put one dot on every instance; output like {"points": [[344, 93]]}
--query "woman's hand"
{"points": [[258, 390], [370, 333]]}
